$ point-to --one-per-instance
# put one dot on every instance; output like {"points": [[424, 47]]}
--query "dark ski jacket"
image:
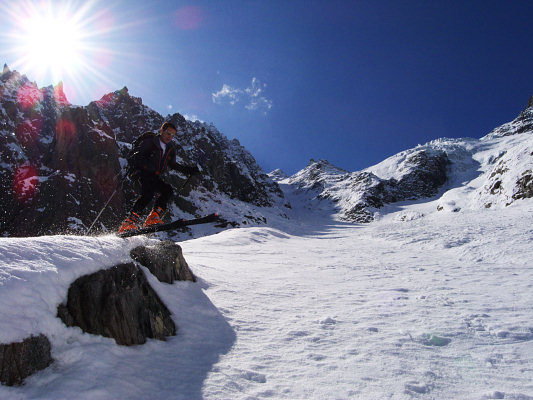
{"points": [[150, 157]]}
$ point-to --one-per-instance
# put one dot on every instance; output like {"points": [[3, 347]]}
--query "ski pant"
{"points": [[149, 185]]}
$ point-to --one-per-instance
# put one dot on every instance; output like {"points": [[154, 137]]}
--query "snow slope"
{"points": [[434, 306]]}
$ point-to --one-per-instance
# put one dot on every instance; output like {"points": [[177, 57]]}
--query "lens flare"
{"points": [[65, 130], [189, 17], [28, 95], [25, 181], [53, 41], [27, 132]]}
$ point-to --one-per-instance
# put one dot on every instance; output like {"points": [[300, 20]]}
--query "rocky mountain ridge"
{"points": [[496, 170], [358, 194], [61, 163]]}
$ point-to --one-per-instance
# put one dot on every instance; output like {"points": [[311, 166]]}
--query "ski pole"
{"points": [[185, 183], [106, 204]]}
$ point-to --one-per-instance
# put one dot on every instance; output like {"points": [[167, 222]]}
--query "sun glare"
{"points": [[53, 42], [61, 40]]}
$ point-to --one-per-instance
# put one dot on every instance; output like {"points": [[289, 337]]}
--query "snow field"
{"points": [[439, 307]]}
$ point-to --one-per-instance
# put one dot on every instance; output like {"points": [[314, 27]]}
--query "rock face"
{"points": [[20, 360], [165, 261], [524, 186], [509, 173], [61, 163], [117, 303]]}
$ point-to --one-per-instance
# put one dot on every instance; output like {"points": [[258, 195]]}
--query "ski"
{"points": [[172, 225]]}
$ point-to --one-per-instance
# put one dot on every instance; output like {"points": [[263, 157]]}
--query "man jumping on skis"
{"points": [[154, 154]]}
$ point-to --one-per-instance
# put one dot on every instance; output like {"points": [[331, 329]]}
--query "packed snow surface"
{"points": [[418, 305]]}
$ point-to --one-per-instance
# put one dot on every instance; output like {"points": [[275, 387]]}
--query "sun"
{"points": [[65, 41], [49, 38], [53, 42]]}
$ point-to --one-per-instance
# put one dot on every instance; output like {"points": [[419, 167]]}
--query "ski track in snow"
{"points": [[437, 307]]}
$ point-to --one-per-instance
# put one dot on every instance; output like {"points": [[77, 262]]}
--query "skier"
{"points": [[154, 154]]}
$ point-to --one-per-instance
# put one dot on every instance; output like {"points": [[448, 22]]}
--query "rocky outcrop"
{"points": [[227, 166], [165, 261], [524, 186], [20, 360], [425, 174], [118, 303], [509, 176], [522, 123], [55, 161]]}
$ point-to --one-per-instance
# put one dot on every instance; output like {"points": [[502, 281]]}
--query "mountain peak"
{"points": [[55, 92], [59, 94], [324, 165], [530, 103], [278, 175], [7, 74]]}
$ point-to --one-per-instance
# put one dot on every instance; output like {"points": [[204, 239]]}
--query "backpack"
{"points": [[135, 147]]}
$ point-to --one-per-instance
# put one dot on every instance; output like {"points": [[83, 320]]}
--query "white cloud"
{"points": [[252, 97], [227, 93]]}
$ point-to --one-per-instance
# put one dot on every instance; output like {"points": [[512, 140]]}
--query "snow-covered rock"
{"points": [[165, 261], [119, 303]]}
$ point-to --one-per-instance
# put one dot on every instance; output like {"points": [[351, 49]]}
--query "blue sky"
{"points": [[349, 81]]}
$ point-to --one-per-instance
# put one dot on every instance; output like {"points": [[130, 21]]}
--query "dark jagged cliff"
{"points": [[61, 163]]}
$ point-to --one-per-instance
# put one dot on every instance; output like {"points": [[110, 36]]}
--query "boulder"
{"points": [[165, 261], [118, 303], [524, 186], [20, 360]]}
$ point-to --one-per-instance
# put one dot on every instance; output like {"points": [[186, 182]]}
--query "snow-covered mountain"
{"points": [[494, 171], [61, 163]]}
